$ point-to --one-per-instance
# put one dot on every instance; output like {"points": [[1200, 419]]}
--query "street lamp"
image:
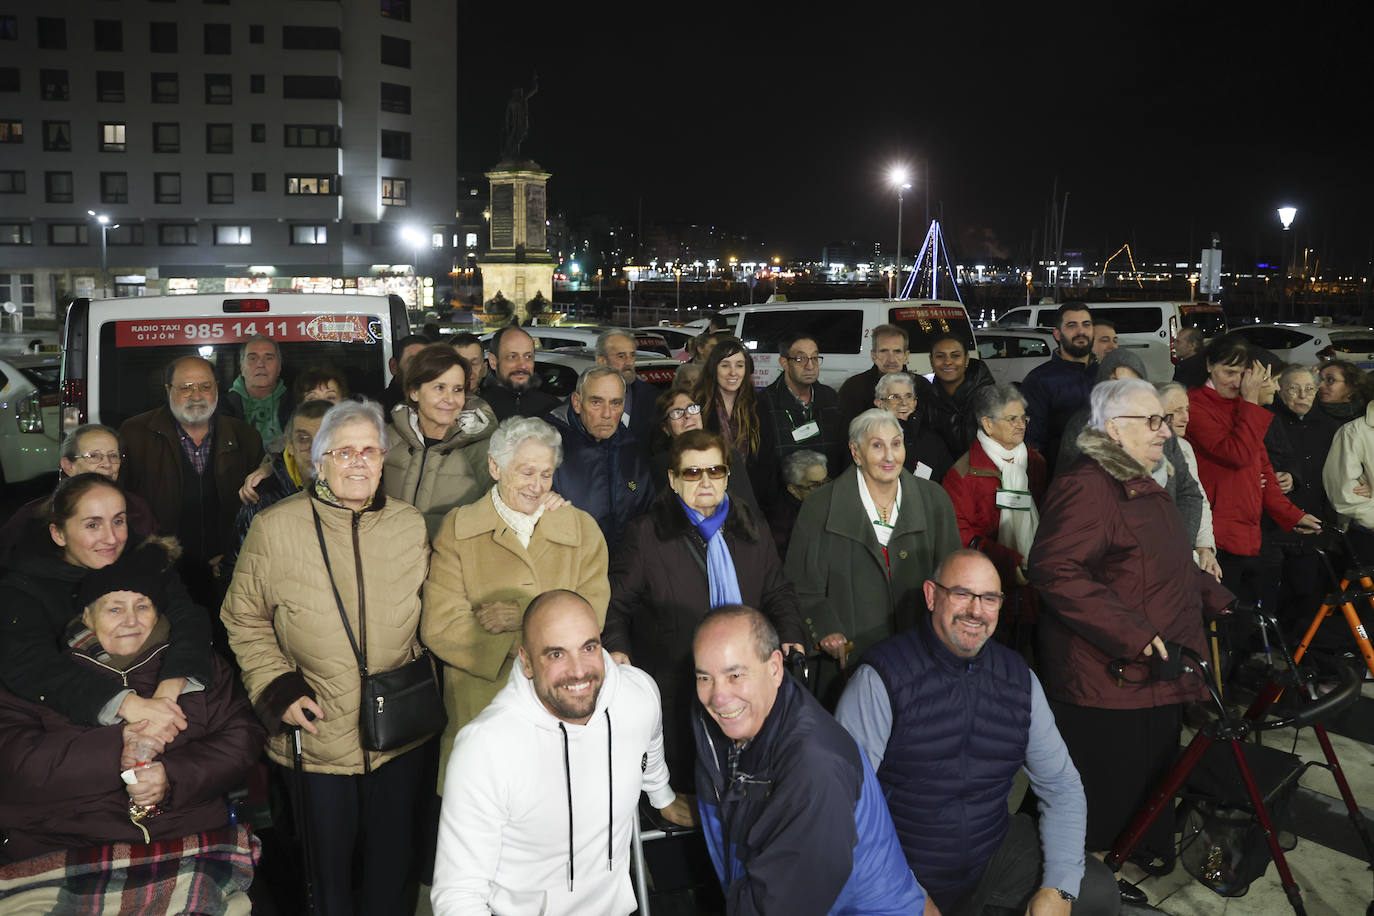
{"points": [[413, 236], [1286, 216], [105, 228], [897, 177]]}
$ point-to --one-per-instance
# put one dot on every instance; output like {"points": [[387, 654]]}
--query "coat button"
{"points": [[901, 554]]}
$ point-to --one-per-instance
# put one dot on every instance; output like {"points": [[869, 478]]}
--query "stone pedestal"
{"points": [[517, 264]]}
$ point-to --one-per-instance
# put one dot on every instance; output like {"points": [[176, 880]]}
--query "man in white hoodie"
{"points": [[543, 785]]}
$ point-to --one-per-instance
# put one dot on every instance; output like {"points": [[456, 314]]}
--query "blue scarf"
{"points": [[720, 566]]}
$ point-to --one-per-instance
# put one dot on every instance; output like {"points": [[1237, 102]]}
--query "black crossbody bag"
{"points": [[400, 706]]}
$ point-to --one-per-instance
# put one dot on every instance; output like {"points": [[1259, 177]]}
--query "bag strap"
{"points": [[343, 615]]}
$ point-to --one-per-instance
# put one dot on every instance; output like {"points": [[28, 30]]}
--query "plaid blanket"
{"points": [[204, 873]]}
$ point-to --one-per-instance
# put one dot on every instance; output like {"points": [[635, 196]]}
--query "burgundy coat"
{"points": [[1114, 568], [59, 782]]}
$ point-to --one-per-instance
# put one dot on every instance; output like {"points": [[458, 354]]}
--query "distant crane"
{"points": [[1135, 274]]}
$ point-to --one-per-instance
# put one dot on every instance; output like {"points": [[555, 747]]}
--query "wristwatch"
{"points": [[1065, 894]]}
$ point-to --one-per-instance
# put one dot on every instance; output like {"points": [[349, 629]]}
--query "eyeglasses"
{"points": [[1294, 391], [715, 472], [1153, 420], [903, 398], [962, 598], [191, 388], [347, 455], [101, 457], [691, 410], [1022, 420], [806, 360]]}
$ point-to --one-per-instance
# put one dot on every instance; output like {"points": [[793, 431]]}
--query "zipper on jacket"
{"points": [[362, 613], [123, 675], [419, 477]]}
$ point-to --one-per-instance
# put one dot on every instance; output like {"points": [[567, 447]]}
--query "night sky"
{"points": [[1164, 123]]}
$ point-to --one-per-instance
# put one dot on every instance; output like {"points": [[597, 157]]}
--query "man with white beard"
{"points": [[188, 462]]}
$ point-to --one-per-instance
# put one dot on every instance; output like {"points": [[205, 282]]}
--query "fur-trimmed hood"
{"points": [[1098, 446]]}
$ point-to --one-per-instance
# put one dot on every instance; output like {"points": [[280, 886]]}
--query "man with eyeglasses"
{"points": [[91, 447], [798, 412], [947, 717], [188, 462]]}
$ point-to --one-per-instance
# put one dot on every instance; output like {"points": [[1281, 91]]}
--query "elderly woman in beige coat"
{"points": [[492, 557], [299, 668]]}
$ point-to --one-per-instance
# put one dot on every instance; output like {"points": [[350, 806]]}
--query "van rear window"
{"points": [[925, 323], [1212, 323], [134, 357], [1137, 320], [834, 330]]}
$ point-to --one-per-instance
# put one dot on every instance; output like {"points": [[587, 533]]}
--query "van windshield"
{"points": [[834, 330], [924, 323], [132, 382], [1211, 322]]}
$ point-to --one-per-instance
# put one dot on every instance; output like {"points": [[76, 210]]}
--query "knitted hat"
{"points": [[144, 570], [1118, 358]]}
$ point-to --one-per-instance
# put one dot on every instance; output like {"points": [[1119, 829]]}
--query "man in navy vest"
{"points": [[947, 717]]}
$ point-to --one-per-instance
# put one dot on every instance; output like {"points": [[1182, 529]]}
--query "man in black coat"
{"points": [[616, 348], [512, 388], [891, 348], [797, 412]]}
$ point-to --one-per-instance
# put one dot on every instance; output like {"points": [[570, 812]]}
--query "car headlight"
{"points": [[30, 415]]}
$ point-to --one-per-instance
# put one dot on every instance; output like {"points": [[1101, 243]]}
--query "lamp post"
{"points": [[1286, 217], [104, 222], [898, 179], [416, 239]]}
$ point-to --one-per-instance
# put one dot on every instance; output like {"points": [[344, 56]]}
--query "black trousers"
{"points": [[361, 830], [1013, 875], [1122, 755]]}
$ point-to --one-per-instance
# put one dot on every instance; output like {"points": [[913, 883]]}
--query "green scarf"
{"points": [[261, 413], [325, 494]]}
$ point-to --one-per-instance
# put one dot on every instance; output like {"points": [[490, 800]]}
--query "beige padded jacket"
{"points": [[284, 624]]}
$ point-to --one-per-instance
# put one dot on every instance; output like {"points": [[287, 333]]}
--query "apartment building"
{"points": [[225, 145]]}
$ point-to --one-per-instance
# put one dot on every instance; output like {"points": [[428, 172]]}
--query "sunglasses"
{"points": [[715, 472]]}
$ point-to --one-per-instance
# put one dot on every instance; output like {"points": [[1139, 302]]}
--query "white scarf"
{"points": [[882, 532], [1017, 526], [520, 523]]}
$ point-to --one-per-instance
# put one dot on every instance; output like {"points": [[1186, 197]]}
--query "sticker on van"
{"points": [[929, 313], [178, 331]]}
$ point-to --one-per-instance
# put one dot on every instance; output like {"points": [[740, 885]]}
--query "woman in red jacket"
{"points": [[1226, 428], [998, 489]]}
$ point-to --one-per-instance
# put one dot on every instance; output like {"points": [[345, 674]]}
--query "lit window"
{"points": [[396, 192], [308, 235], [112, 137], [233, 235]]}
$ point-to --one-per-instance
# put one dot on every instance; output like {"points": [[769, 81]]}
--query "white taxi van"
{"points": [[114, 351]]}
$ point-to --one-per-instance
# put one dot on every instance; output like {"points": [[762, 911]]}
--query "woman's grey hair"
{"points": [[72, 443], [1293, 369], [1167, 388], [341, 414], [990, 400], [795, 465], [884, 386], [1109, 399], [595, 372], [862, 426], [511, 434]]}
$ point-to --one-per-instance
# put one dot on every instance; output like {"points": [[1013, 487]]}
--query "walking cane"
{"points": [[301, 805]]}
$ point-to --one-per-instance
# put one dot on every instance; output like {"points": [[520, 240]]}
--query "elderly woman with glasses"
{"points": [[678, 413], [492, 557], [998, 488], [90, 448], [1118, 584], [340, 549], [695, 550], [927, 456], [864, 544]]}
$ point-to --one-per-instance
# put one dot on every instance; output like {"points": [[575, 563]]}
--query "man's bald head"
{"points": [[557, 602], [560, 651]]}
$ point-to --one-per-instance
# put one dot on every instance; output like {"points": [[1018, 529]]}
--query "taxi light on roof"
{"points": [[235, 306]]}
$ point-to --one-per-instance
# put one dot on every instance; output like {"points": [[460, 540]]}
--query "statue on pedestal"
{"points": [[518, 119]]}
